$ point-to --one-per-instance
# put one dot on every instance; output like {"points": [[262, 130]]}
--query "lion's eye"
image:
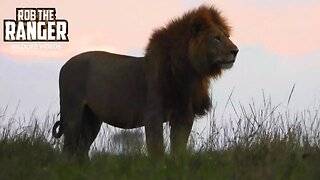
{"points": [[218, 39]]}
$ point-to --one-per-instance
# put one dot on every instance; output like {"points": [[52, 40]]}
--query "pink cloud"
{"points": [[116, 26], [287, 30], [120, 26]]}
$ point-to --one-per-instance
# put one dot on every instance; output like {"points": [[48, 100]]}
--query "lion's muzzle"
{"points": [[234, 52]]}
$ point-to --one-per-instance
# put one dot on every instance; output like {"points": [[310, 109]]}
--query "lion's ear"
{"points": [[198, 24]]}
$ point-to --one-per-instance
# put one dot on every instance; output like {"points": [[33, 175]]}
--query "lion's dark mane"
{"points": [[168, 61]]}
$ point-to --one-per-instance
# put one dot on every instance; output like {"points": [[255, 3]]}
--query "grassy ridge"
{"points": [[259, 143], [25, 158]]}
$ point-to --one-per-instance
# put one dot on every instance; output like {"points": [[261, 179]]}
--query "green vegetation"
{"points": [[260, 143]]}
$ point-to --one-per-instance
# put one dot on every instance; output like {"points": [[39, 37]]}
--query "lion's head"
{"points": [[210, 48], [198, 41]]}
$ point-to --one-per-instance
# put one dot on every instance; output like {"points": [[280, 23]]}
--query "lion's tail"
{"points": [[54, 129]]}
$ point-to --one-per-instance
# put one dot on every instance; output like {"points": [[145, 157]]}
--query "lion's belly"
{"points": [[118, 105], [116, 91], [118, 114], [126, 120]]}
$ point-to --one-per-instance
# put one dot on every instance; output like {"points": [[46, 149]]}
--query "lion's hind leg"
{"points": [[90, 127], [81, 127], [71, 118]]}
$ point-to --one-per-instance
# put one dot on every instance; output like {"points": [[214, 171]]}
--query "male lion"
{"points": [[170, 83]]}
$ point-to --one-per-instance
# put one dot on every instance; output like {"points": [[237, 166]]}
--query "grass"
{"points": [[258, 143]]}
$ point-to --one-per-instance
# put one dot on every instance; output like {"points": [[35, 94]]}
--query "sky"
{"points": [[279, 46]]}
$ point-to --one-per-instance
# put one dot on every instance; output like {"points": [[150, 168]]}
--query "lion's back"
{"points": [[95, 67]]}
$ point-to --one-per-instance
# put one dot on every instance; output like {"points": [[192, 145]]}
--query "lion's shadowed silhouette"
{"points": [[170, 83]]}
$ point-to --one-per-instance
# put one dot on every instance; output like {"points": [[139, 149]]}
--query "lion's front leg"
{"points": [[179, 134], [154, 138], [154, 114]]}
